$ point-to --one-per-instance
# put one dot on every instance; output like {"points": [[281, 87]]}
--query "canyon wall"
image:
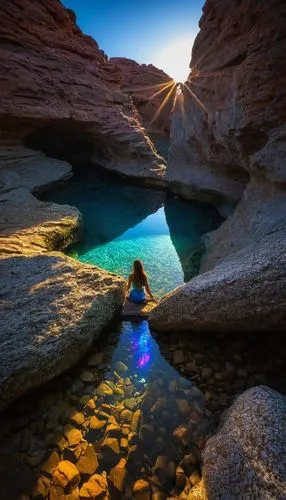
{"points": [[60, 94], [228, 140], [148, 87], [230, 119]]}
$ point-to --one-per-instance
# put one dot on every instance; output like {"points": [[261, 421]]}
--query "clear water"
{"points": [[123, 222]]}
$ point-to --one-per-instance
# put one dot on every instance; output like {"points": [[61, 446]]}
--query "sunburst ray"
{"points": [[196, 98], [164, 102]]}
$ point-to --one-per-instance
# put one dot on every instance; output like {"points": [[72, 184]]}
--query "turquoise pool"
{"points": [[123, 222]]}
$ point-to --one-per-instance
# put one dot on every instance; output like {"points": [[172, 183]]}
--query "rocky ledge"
{"points": [[52, 306]]}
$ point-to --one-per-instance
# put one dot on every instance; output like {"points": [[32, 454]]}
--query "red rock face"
{"points": [[59, 91], [235, 125], [144, 83]]}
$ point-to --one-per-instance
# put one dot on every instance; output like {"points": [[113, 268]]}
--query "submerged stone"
{"points": [[66, 474]]}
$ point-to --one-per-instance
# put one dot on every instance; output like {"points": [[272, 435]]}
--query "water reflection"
{"points": [[186, 228], [123, 222], [109, 207], [140, 352], [124, 413]]}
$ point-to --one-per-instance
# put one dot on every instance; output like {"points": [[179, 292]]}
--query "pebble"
{"points": [[182, 435], [141, 490], [183, 406], [131, 403], [72, 435], [94, 488], [121, 368], [195, 478], [96, 359], [51, 463], [173, 386], [125, 416], [110, 451], [77, 418], [104, 390], [206, 373], [96, 424], [66, 474], [117, 477], [88, 463], [178, 357]]}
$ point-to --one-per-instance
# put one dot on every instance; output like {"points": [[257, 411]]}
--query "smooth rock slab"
{"points": [[53, 307], [246, 292], [246, 458], [130, 309]]}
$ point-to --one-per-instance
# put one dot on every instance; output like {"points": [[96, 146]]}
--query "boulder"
{"points": [[246, 458], [246, 292], [52, 307]]}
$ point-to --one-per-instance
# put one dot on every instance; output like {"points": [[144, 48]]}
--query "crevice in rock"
{"points": [[64, 140]]}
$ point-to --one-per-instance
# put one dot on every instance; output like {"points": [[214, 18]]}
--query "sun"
{"points": [[174, 58]]}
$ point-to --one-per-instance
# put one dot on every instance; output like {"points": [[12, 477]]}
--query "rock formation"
{"points": [[233, 120], [233, 130], [145, 83], [246, 458], [60, 94], [52, 307]]}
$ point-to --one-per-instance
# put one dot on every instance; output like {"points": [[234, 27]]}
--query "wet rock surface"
{"points": [[137, 428]]}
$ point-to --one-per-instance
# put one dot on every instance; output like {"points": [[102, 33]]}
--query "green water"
{"points": [[123, 222]]}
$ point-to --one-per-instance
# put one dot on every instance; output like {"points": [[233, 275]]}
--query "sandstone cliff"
{"points": [[145, 83], [228, 142], [60, 94], [233, 120]]}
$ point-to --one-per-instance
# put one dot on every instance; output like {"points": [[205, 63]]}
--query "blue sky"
{"points": [[150, 31]]}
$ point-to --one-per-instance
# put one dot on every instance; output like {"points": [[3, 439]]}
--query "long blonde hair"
{"points": [[139, 274]]}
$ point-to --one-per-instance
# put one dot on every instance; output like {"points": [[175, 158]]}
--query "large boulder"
{"points": [[60, 94], [52, 307], [246, 459], [260, 213], [246, 292]]}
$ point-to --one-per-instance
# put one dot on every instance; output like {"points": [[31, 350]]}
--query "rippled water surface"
{"points": [[123, 222]]}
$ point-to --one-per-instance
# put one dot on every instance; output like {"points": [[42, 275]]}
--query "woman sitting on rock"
{"points": [[138, 283]]}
